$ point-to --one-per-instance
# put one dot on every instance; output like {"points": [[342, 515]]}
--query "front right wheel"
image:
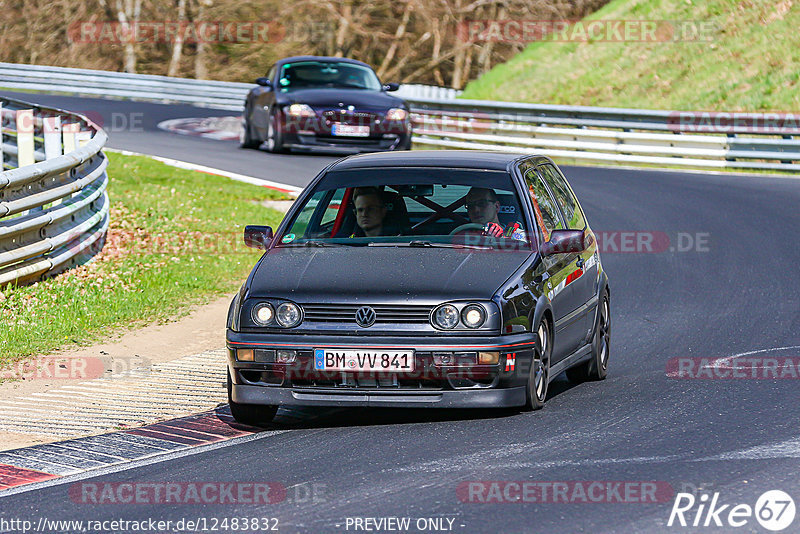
{"points": [[250, 414], [539, 375]]}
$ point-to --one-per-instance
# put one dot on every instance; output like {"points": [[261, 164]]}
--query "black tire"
{"points": [[539, 374], [246, 137], [596, 367], [274, 138], [250, 414]]}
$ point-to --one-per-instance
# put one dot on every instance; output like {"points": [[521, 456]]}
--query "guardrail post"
{"points": [[51, 126], [81, 138], [25, 128], [2, 168], [69, 132]]}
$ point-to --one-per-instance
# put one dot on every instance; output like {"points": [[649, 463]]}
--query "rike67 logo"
{"points": [[774, 510]]}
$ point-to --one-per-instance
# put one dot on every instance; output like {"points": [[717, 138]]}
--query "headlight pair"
{"points": [[448, 317], [287, 315]]}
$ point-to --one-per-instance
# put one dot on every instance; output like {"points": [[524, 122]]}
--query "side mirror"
{"points": [[564, 242], [391, 86], [263, 82], [257, 236]]}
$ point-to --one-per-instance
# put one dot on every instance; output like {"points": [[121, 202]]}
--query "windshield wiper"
{"points": [[428, 244], [313, 243]]}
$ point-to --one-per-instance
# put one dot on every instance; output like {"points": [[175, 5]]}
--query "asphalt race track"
{"points": [[726, 283]]}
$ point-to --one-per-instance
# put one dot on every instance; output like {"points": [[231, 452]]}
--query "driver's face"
{"points": [[369, 212], [481, 209]]}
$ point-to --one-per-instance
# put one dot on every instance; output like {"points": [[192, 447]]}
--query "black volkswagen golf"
{"points": [[324, 104], [425, 279]]}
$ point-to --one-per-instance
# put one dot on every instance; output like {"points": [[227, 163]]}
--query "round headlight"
{"points": [[473, 316], [263, 313], [288, 314], [445, 316]]}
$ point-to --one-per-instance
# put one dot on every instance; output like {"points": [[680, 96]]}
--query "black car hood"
{"points": [[385, 274], [331, 98]]}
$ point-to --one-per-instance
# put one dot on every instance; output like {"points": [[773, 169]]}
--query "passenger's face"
{"points": [[481, 209], [369, 212]]}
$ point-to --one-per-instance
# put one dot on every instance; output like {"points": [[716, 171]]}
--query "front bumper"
{"points": [[429, 385], [487, 398], [320, 143]]}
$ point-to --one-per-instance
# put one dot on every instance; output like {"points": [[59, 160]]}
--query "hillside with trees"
{"points": [[410, 41]]}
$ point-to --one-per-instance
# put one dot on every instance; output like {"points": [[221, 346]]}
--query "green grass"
{"points": [[750, 63], [175, 241]]}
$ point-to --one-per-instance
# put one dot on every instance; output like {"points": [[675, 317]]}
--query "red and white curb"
{"points": [[40, 463], [218, 128]]}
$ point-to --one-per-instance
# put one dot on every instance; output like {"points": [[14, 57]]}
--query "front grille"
{"points": [[354, 117], [346, 313]]}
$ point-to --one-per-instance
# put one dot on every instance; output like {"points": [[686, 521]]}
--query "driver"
{"points": [[482, 208], [370, 211]]}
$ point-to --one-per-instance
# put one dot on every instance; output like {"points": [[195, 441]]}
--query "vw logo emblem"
{"points": [[365, 316]]}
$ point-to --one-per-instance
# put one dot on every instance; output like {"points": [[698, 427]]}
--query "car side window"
{"points": [[545, 210], [271, 74], [564, 196]]}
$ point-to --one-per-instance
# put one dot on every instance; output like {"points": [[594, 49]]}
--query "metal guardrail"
{"points": [[609, 134], [54, 210], [216, 94], [628, 136]]}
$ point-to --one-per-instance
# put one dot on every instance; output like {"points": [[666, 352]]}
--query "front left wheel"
{"points": [[250, 414], [596, 368], [275, 137]]}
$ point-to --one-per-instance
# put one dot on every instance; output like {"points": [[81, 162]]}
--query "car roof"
{"points": [[462, 159], [320, 58]]}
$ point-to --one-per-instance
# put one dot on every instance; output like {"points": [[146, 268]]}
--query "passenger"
{"points": [[370, 211], [482, 208]]}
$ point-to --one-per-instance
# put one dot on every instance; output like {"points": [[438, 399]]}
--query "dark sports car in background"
{"points": [[324, 104], [424, 279]]}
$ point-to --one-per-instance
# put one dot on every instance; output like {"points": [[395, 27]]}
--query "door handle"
{"points": [[580, 263]]}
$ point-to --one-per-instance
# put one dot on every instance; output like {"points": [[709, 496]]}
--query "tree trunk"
{"points": [[177, 47], [128, 16]]}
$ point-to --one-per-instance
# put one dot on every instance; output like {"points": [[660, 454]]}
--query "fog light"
{"points": [[285, 356], [443, 358], [466, 359], [244, 355], [265, 356], [488, 358]]}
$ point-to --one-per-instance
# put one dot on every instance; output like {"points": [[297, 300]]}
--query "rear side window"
{"points": [[545, 211], [566, 200]]}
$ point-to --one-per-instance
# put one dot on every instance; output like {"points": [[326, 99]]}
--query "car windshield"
{"points": [[415, 207], [323, 74]]}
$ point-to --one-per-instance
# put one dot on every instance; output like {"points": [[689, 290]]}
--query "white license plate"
{"points": [[363, 360], [349, 130]]}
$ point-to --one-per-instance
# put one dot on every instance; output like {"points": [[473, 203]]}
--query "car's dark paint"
{"points": [[265, 103], [526, 286]]}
